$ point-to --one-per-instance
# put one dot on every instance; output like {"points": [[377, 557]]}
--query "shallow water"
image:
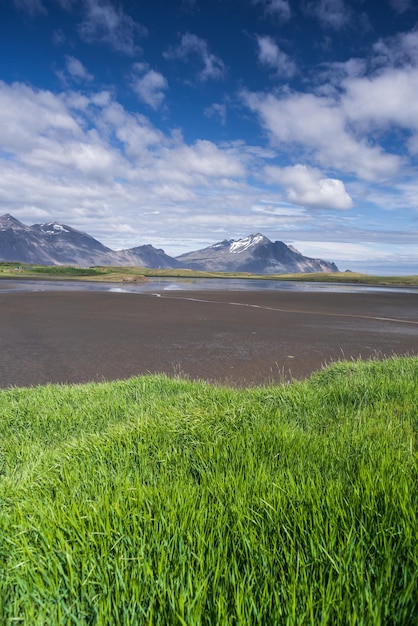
{"points": [[9, 285]]}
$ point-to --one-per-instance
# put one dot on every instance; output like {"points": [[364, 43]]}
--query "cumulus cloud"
{"points": [[104, 23], [192, 46], [150, 86], [88, 157], [318, 125], [333, 74], [356, 105], [398, 51], [77, 70], [269, 54], [26, 114], [206, 159], [136, 133], [345, 122], [383, 100], [333, 14], [308, 187]]}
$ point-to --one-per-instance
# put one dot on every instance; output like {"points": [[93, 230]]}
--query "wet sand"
{"points": [[235, 338]]}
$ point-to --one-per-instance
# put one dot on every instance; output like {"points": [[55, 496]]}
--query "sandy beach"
{"points": [[235, 338]]}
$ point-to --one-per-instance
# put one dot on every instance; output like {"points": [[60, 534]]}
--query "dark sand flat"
{"points": [[237, 337]]}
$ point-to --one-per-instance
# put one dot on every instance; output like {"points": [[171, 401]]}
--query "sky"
{"points": [[182, 123]]}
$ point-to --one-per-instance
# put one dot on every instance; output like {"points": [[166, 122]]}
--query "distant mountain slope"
{"points": [[256, 254], [66, 245], [22, 243], [143, 256], [59, 244]]}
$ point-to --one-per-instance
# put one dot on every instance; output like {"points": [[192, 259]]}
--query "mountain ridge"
{"points": [[53, 243], [255, 254]]}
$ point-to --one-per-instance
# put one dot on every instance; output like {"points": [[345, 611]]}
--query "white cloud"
{"points": [[206, 159], [397, 51], [149, 87], [269, 54], [333, 14], [26, 114], [332, 75], [88, 157], [104, 23], [308, 187], [77, 70], [192, 46], [138, 136], [318, 125], [383, 100], [344, 124]]}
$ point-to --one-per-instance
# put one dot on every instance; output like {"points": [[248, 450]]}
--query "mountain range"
{"points": [[59, 244]]}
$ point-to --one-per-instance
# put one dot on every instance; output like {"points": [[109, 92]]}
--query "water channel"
{"points": [[9, 285]]}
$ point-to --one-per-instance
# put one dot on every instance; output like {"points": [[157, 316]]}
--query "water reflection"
{"points": [[8, 285]]}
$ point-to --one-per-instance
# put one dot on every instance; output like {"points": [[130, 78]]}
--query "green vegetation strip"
{"points": [[162, 501], [132, 274]]}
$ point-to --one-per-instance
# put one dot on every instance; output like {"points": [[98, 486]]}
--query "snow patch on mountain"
{"points": [[53, 228], [241, 245]]}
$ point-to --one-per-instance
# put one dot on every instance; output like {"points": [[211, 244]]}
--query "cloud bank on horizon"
{"points": [[183, 122]]}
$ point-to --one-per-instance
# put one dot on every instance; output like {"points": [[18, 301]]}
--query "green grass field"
{"points": [[163, 501], [129, 274]]}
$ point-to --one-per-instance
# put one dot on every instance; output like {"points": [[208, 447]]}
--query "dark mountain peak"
{"points": [[8, 221], [146, 247], [255, 254], [145, 256], [222, 244]]}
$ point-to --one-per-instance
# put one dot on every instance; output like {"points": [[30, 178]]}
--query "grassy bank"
{"points": [[133, 274], [158, 501]]}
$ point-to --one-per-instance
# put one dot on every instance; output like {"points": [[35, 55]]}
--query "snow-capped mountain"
{"points": [[67, 245], [255, 254], [21, 243], [59, 244]]}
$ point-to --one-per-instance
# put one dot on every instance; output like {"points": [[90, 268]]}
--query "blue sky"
{"points": [[184, 122]]}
